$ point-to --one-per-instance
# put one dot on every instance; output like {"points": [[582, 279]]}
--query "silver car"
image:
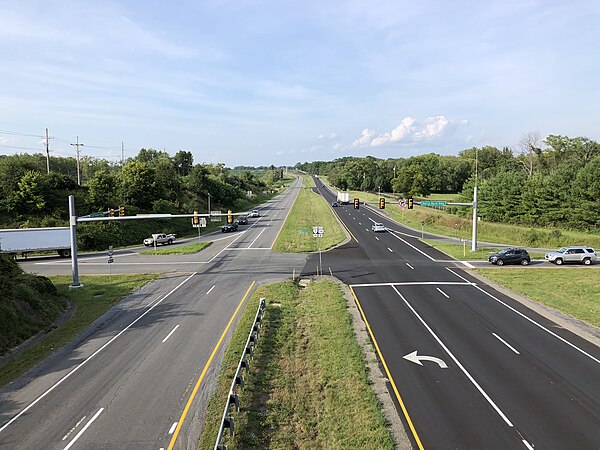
{"points": [[575, 254]]}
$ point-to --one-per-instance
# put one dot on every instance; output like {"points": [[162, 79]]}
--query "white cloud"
{"points": [[364, 139], [408, 130], [336, 147]]}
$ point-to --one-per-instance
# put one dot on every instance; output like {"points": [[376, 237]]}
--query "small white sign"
{"points": [[318, 231], [402, 203]]}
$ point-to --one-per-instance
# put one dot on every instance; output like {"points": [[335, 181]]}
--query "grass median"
{"points": [[309, 210], [308, 386], [100, 293], [187, 249]]}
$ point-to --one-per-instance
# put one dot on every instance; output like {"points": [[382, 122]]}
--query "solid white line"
{"points": [[390, 250], [410, 245], [530, 320], [447, 350], [527, 444], [414, 283], [376, 238], [442, 292], [73, 429], [506, 343], [359, 223], [169, 335], [59, 382], [239, 249], [468, 264], [252, 243], [172, 429], [78, 435], [209, 291], [410, 266]]}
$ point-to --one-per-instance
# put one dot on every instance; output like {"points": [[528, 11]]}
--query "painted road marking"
{"points": [[85, 361], [412, 246], [206, 366], [210, 290], [73, 429], [410, 266], [529, 319], [415, 283], [172, 429], [376, 238], [447, 350], [252, 243], [169, 335], [390, 250], [442, 292], [415, 358], [506, 343], [78, 435]]}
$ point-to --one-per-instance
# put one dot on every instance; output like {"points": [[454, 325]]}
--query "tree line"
{"points": [[553, 182], [151, 182]]}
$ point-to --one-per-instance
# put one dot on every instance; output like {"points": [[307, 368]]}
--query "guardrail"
{"points": [[238, 379]]}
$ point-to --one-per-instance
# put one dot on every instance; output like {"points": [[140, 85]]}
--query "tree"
{"points": [[138, 185], [102, 191], [530, 151], [183, 161]]}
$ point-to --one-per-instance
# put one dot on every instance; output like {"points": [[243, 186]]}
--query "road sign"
{"points": [[318, 231], [110, 260], [402, 203], [303, 231], [215, 216], [110, 250], [436, 203]]}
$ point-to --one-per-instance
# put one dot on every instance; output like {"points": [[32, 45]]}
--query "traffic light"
{"points": [[410, 203], [382, 203], [196, 219], [229, 216], [111, 212], [121, 211], [356, 203]]}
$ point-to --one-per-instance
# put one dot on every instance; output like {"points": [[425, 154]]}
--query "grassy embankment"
{"points": [[309, 210], [308, 386], [99, 294]]}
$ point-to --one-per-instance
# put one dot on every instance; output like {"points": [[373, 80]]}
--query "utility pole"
{"points": [[474, 237], [122, 153], [47, 152], [77, 145]]}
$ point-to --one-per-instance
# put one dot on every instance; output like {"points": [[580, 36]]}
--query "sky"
{"points": [[251, 82]]}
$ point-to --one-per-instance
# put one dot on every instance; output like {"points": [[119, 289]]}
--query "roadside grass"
{"points": [[99, 294], [572, 290], [187, 249], [461, 251], [308, 182], [308, 385], [309, 210]]}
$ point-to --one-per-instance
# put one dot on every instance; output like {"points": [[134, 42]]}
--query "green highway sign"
{"points": [[303, 231], [437, 203]]}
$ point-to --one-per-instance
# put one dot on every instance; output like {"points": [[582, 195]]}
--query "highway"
{"points": [[487, 372], [140, 377]]}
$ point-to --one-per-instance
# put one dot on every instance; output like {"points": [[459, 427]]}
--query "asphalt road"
{"points": [[140, 377], [488, 372]]}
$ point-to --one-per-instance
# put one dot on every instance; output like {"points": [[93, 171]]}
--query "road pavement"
{"points": [[468, 366], [140, 377]]}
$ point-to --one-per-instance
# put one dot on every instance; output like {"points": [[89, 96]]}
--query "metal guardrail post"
{"points": [[227, 421]]}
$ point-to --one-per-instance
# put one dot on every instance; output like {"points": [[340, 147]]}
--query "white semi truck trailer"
{"points": [[26, 240]]}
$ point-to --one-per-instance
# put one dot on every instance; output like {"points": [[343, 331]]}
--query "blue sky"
{"points": [[278, 82]]}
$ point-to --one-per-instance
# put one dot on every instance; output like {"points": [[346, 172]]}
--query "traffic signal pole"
{"points": [[73, 229]]}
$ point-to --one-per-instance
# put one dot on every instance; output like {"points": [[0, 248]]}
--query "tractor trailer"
{"points": [[343, 197], [26, 240]]}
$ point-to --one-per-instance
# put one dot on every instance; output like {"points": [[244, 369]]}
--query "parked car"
{"points": [[376, 227], [229, 227], [510, 256], [576, 254], [242, 220], [254, 213], [334, 204]]}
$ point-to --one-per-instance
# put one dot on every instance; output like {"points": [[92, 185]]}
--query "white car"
{"points": [[253, 213], [377, 227]]}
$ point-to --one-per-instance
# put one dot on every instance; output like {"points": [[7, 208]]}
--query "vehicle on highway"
{"points": [[26, 240], [229, 227], [334, 204], [242, 220], [575, 254], [343, 198], [377, 227], [254, 213], [159, 238], [510, 256]]}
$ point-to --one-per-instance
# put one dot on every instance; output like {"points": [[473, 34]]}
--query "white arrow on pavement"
{"points": [[413, 357]]}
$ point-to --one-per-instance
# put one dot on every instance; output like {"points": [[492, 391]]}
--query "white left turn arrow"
{"points": [[413, 357]]}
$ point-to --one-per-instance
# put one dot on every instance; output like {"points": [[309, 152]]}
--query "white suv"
{"points": [[576, 254], [377, 227]]}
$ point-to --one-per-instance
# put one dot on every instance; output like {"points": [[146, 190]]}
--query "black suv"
{"points": [[229, 227], [242, 220], [510, 256]]}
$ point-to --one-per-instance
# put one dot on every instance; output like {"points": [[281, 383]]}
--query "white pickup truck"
{"points": [[159, 238]]}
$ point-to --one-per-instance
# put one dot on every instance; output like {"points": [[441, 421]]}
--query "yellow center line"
{"points": [[389, 375], [207, 365]]}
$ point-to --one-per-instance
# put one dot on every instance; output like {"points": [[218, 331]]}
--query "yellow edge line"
{"points": [[389, 375], [206, 366], [344, 225]]}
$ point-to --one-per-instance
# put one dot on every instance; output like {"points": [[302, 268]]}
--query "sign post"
{"points": [[318, 232], [110, 259]]}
